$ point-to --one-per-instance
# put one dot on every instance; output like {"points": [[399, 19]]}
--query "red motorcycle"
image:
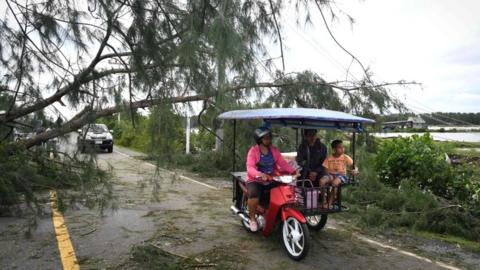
{"points": [[281, 207]]}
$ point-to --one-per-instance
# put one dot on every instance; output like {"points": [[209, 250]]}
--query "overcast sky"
{"points": [[435, 42]]}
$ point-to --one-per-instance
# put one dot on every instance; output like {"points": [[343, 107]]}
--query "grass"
{"points": [[462, 242], [153, 257], [452, 145]]}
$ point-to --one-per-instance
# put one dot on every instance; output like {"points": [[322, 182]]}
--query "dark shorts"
{"points": [[258, 190], [316, 182]]}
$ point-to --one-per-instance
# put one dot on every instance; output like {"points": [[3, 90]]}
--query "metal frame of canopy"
{"points": [[299, 118]]}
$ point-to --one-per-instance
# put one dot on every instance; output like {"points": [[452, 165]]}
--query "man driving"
{"points": [[310, 156]]}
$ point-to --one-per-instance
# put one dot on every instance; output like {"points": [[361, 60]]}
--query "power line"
{"points": [[319, 49], [429, 114], [340, 45], [444, 116], [342, 68], [364, 69]]}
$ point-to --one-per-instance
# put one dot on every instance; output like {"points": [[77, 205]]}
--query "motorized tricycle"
{"points": [[294, 204]]}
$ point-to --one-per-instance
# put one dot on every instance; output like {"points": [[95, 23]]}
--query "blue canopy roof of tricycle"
{"points": [[301, 118]]}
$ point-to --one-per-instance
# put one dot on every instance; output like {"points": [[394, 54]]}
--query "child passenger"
{"points": [[336, 167]]}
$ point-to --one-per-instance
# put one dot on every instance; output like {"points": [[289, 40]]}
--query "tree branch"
{"points": [[279, 35], [87, 114]]}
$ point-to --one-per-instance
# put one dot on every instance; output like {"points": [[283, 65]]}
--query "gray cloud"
{"points": [[468, 54]]}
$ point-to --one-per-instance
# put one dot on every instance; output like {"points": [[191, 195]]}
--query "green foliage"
{"points": [[151, 257], [26, 172], [167, 136], [308, 89], [137, 138], [160, 134], [202, 140], [206, 163], [380, 204], [417, 159]]}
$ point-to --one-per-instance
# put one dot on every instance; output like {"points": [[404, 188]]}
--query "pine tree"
{"points": [[100, 57]]}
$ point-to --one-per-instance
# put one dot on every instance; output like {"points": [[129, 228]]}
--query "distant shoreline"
{"points": [[472, 137], [441, 129]]}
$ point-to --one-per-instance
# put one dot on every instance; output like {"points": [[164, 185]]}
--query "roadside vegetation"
{"points": [[408, 184], [27, 174]]}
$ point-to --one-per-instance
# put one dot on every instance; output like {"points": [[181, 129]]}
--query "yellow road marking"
{"points": [[67, 254]]}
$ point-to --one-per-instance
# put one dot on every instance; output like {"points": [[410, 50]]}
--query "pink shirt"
{"points": [[281, 166]]}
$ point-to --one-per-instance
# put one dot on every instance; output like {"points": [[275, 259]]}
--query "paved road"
{"points": [[183, 217]]}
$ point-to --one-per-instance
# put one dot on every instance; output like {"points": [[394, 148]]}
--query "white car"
{"points": [[95, 136]]}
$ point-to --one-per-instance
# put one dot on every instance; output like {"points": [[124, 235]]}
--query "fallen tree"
{"points": [[100, 57], [135, 54]]}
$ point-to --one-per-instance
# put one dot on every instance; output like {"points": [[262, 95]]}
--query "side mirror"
{"points": [[111, 131]]}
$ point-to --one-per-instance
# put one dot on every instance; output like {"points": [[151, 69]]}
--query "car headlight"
{"points": [[88, 137], [109, 136]]}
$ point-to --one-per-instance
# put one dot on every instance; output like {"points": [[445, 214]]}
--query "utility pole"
{"points": [[187, 149]]}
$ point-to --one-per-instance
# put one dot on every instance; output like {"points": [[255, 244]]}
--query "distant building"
{"points": [[416, 122]]}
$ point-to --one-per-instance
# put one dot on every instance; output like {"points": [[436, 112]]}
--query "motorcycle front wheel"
{"points": [[295, 238]]}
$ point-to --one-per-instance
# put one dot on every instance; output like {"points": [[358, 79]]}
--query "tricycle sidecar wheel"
{"points": [[317, 222], [295, 237]]}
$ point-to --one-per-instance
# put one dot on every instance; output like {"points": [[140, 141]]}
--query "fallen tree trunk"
{"points": [[87, 115]]}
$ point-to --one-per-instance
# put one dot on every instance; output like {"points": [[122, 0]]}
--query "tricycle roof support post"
{"points": [[353, 151], [296, 138], [235, 188], [233, 144]]}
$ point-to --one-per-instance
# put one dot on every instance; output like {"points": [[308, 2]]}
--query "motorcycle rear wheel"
{"points": [[317, 222]]}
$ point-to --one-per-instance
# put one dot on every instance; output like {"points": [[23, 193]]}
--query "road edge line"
{"points": [[404, 252], [171, 172]]}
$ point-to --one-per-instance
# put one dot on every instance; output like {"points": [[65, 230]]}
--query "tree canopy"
{"points": [[98, 57]]}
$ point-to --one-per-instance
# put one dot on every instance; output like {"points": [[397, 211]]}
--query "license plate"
{"points": [[98, 142]]}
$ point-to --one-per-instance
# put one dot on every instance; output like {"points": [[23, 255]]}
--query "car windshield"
{"points": [[97, 128]]}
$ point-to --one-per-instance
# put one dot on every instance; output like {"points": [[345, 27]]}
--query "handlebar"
{"points": [[286, 179]]}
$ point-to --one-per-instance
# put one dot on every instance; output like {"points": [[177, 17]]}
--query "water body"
{"points": [[464, 128], [438, 136]]}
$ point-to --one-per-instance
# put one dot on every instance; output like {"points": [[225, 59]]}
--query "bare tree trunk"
{"points": [[219, 139]]}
